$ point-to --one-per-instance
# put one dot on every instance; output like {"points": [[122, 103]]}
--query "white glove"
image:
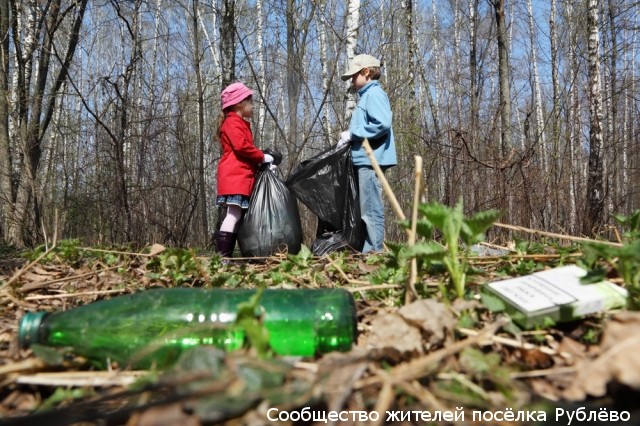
{"points": [[267, 159], [272, 167], [344, 138]]}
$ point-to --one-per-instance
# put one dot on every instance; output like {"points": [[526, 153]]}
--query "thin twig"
{"points": [[410, 292], [126, 253], [25, 269], [44, 284], [416, 390], [82, 378], [525, 256], [553, 235], [543, 373], [420, 367], [508, 342], [343, 274], [15, 300], [464, 381], [26, 365], [385, 398], [373, 287], [85, 293]]}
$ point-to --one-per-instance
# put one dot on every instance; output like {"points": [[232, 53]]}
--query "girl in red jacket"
{"points": [[239, 163]]}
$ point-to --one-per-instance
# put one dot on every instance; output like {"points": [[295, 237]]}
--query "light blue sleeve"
{"points": [[372, 117]]}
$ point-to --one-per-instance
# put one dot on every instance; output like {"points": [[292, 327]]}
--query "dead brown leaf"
{"points": [[618, 361], [534, 359], [338, 385], [156, 249], [390, 330], [169, 415], [434, 319]]}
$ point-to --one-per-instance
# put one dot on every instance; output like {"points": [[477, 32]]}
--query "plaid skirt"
{"points": [[237, 200]]}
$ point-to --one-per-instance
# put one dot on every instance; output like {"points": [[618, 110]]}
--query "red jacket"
{"points": [[240, 158]]}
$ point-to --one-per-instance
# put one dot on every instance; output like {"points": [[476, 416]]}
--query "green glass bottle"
{"points": [[151, 328]]}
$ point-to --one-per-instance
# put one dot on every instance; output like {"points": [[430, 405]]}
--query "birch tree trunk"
{"points": [[353, 24], [297, 32], [610, 163], [202, 194], [262, 70], [35, 102], [6, 154], [325, 64], [555, 111], [227, 42], [474, 91], [473, 71], [627, 124], [595, 181], [540, 136], [573, 133], [504, 105], [503, 73]]}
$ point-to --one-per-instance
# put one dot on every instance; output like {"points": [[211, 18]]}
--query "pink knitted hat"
{"points": [[234, 94]]}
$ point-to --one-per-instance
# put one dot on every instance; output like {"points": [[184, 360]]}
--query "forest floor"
{"points": [[431, 361]]}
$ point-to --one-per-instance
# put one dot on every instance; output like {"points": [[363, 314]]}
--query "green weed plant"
{"points": [[176, 265], [602, 260], [457, 232]]}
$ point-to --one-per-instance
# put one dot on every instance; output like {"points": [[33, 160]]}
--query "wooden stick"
{"points": [[15, 300], [411, 292], [420, 367], [508, 342], [560, 236], [464, 381], [26, 365], [372, 287], [384, 401], [395, 205], [63, 295], [543, 373], [342, 273], [25, 269], [383, 180], [36, 286], [82, 378], [525, 256]]}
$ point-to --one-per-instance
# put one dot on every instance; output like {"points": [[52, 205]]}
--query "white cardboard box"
{"points": [[556, 294]]}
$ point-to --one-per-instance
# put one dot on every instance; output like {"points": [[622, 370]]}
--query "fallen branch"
{"points": [[411, 291], [85, 293], [507, 342], [543, 373], [27, 288], [82, 378], [419, 367], [26, 365], [343, 274], [374, 287], [18, 274], [553, 235]]}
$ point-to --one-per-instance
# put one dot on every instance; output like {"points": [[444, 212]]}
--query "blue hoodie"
{"points": [[372, 120]]}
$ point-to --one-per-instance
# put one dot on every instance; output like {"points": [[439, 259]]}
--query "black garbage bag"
{"points": [[272, 222], [327, 185]]}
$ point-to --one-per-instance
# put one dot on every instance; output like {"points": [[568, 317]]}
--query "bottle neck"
{"points": [[29, 326]]}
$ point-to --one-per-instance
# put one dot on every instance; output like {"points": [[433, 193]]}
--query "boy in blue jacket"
{"points": [[371, 120]]}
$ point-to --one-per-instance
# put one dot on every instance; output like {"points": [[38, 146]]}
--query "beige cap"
{"points": [[358, 63]]}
